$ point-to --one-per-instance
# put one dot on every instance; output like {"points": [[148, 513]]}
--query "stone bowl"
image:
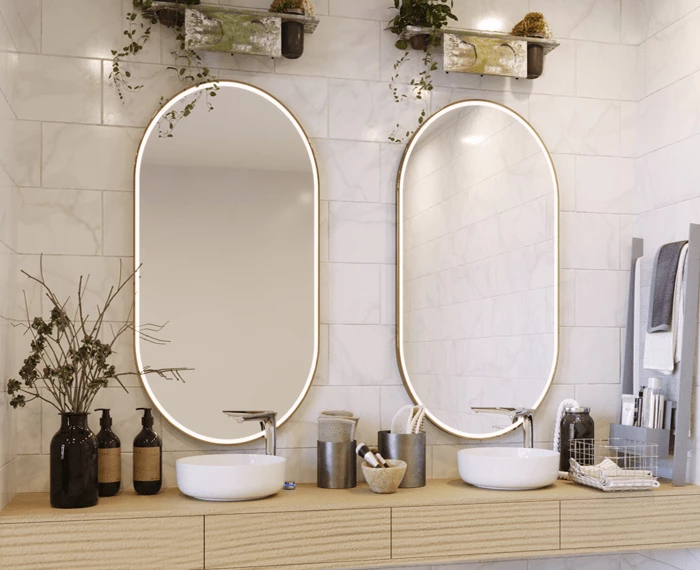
{"points": [[383, 480]]}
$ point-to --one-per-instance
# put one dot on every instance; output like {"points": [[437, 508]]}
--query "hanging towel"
{"points": [[663, 279], [662, 349], [637, 327]]}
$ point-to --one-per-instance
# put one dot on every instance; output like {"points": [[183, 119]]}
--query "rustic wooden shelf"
{"points": [[446, 521], [482, 52], [219, 28]]}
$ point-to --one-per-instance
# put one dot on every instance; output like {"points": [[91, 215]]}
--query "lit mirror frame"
{"points": [[152, 126], [399, 263]]}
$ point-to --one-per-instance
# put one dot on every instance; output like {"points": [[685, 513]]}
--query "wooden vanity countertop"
{"points": [[35, 507]]}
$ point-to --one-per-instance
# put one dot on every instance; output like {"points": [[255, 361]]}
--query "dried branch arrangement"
{"points": [[69, 360]]}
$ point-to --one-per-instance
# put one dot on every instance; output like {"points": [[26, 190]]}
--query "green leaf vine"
{"points": [[431, 14], [188, 64]]}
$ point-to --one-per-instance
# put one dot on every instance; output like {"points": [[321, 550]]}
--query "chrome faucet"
{"points": [[515, 414], [268, 421]]}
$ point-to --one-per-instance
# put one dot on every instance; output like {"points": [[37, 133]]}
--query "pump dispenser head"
{"points": [[106, 419], [147, 419]]}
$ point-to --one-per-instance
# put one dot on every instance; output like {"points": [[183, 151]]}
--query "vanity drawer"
{"points": [[475, 529], [175, 543], [630, 521], [234, 541]]}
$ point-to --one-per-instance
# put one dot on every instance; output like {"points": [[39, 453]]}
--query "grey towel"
{"points": [[663, 282]]}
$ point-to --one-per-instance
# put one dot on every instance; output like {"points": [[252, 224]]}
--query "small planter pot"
{"points": [[73, 464], [419, 42], [535, 61], [173, 18], [293, 36]]}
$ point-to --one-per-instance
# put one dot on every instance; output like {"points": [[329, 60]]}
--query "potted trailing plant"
{"points": [[533, 25], [431, 15], [293, 32], [188, 66], [68, 364]]}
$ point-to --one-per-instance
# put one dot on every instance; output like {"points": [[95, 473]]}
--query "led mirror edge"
{"points": [[399, 265], [316, 254]]}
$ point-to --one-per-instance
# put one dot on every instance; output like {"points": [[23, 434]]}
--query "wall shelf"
{"points": [[227, 29], [445, 521], [485, 53]]}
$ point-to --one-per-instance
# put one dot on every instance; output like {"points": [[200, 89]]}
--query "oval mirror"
{"points": [[227, 243], [477, 267]]}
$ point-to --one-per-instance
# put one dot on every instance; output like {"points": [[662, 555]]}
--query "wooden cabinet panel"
{"points": [[234, 541], [629, 521], [475, 529], [175, 543]]}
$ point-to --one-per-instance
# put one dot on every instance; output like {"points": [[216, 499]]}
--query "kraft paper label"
{"points": [[147, 464], [109, 465]]}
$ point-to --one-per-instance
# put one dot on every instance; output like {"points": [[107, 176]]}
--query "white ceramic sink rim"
{"points": [[508, 468], [230, 476], [231, 460], [510, 452]]}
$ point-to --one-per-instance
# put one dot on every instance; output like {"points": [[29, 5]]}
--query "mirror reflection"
{"points": [[477, 319], [227, 236]]}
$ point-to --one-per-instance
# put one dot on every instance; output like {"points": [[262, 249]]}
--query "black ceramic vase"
{"points": [[293, 36], [73, 464]]}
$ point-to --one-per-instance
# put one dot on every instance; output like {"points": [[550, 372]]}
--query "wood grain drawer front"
{"points": [[475, 529], [640, 521], [153, 544], [234, 541]]}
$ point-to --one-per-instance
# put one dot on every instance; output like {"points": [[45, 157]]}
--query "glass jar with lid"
{"points": [[576, 423]]}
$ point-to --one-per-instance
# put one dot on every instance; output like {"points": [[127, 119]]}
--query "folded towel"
{"points": [[663, 279], [607, 476], [662, 349]]}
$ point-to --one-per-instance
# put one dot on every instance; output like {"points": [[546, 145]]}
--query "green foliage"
{"points": [[432, 14], [140, 22], [283, 5], [188, 65]]}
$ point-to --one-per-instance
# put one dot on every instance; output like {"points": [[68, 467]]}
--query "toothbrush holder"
{"points": [[408, 447], [336, 466]]}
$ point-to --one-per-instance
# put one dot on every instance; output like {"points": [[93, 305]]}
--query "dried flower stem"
{"points": [[68, 359]]}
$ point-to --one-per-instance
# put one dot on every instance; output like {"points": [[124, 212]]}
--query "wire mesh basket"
{"points": [[614, 464]]}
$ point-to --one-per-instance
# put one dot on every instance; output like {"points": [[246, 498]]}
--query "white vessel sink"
{"points": [[508, 468], [230, 476]]}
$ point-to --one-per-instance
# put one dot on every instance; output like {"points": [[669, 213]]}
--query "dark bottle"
{"points": [[73, 465], [577, 424], [148, 457], [109, 457]]}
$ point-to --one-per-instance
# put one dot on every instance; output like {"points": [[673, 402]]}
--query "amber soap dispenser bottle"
{"points": [[148, 457], [109, 457]]}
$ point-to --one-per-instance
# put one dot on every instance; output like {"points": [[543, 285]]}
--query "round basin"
{"points": [[508, 468], [230, 476]]}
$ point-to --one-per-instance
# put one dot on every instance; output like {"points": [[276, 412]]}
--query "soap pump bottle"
{"points": [[109, 457], [148, 457]]}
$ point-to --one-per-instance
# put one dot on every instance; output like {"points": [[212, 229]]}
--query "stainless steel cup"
{"points": [[409, 447], [336, 465]]}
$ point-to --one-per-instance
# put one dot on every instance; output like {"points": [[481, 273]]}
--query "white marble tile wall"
{"points": [[15, 34], [69, 146], [668, 135]]}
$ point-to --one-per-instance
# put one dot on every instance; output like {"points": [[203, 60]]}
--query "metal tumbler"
{"points": [[336, 465], [408, 447]]}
